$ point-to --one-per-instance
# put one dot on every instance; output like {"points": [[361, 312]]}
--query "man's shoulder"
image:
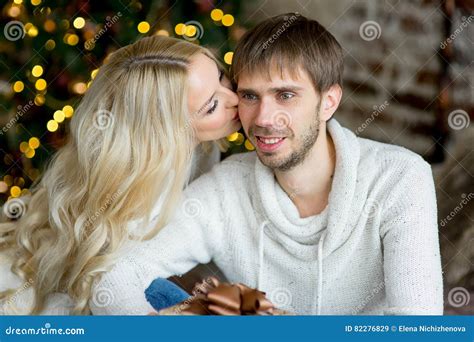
{"points": [[388, 156]]}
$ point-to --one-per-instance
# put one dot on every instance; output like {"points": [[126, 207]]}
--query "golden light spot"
{"points": [[72, 39], [79, 23], [50, 44], [18, 86], [52, 126], [191, 30], [30, 153], [37, 71], [3, 187], [227, 20], [58, 116], [49, 25], [40, 84], [18, 2], [35, 2], [68, 111], [162, 33], [79, 88], [34, 143], [39, 100], [240, 139], [217, 14], [180, 29], [94, 73], [233, 136], [8, 179], [143, 27], [24, 146], [33, 31], [228, 57], [14, 11], [15, 191], [249, 146]]}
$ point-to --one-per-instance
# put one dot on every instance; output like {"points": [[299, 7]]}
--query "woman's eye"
{"points": [[286, 96], [213, 108]]}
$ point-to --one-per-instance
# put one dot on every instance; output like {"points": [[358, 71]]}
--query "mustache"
{"points": [[266, 131]]}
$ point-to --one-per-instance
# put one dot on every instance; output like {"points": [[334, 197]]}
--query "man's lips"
{"points": [[269, 144]]}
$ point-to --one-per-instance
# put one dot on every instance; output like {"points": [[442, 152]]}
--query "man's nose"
{"points": [[265, 113]]}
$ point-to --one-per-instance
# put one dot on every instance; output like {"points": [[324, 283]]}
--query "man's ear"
{"points": [[330, 101]]}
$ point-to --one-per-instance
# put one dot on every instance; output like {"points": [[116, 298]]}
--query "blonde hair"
{"points": [[130, 143]]}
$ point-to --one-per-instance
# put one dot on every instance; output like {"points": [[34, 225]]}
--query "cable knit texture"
{"points": [[373, 250]]}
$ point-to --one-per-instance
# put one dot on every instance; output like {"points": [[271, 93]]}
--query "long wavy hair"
{"points": [[130, 145]]}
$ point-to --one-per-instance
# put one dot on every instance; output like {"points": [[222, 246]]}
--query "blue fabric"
{"points": [[163, 293]]}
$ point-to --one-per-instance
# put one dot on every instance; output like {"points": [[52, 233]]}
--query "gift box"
{"points": [[212, 297]]}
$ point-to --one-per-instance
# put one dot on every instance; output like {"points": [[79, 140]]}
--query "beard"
{"points": [[305, 143]]}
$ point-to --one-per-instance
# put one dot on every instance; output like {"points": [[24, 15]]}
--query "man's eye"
{"points": [[286, 96], [250, 97]]}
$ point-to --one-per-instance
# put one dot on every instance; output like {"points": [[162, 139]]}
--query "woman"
{"points": [[131, 143]]}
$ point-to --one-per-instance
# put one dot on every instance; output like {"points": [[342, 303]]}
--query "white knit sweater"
{"points": [[373, 250]]}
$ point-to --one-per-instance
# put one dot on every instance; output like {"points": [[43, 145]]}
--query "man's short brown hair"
{"points": [[289, 42]]}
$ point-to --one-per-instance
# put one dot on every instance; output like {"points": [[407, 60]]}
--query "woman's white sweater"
{"points": [[373, 250]]}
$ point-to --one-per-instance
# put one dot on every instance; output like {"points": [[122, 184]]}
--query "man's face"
{"points": [[280, 116]]}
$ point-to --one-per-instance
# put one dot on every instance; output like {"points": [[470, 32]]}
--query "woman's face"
{"points": [[212, 103]]}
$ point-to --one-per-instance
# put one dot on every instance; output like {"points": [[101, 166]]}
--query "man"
{"points": [[323, 221]]}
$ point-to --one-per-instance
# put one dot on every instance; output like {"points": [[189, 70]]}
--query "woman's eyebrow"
{"points": [[205, 104]]}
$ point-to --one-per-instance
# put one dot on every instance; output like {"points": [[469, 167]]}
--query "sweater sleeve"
{"points": [[193, 237], [409, 231]]}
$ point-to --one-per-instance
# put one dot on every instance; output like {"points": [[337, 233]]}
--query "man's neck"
{"points": [[309, 184]]}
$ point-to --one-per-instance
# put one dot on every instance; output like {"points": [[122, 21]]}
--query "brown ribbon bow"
{"points": [[215, 298]]}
